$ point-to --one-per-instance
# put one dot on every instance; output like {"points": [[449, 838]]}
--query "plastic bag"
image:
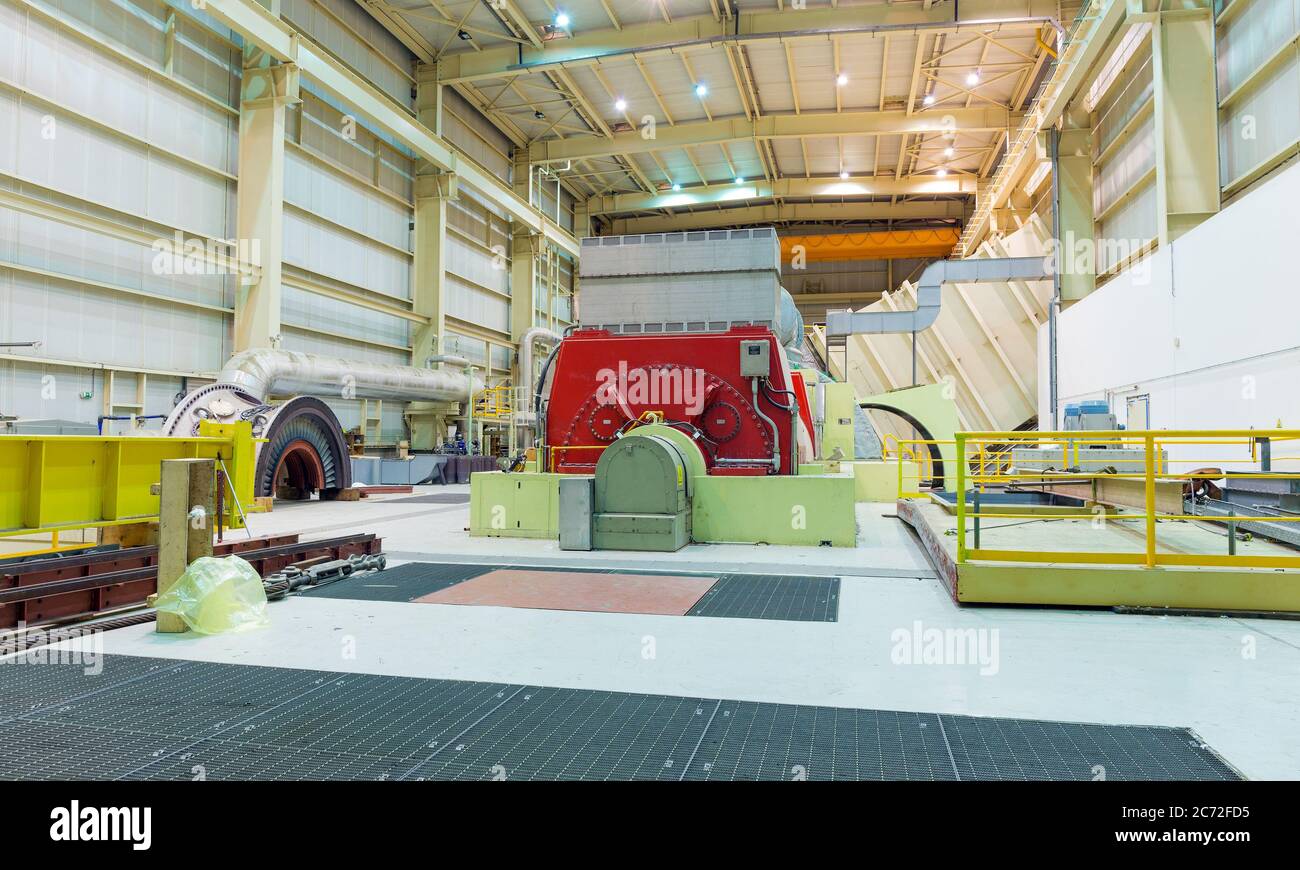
{"points": [[217, 595]]}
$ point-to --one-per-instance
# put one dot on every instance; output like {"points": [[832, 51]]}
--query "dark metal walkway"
{"points": [[143, 718]]}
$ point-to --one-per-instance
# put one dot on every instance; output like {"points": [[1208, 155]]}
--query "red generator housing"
{"points": [[601, 383]]}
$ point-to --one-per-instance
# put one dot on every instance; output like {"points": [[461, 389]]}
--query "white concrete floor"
{"points": [[1236, 682]]}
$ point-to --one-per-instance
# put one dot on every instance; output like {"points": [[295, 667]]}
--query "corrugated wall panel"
{"points": [[1262, 119], [111, 140], [358, 40]]}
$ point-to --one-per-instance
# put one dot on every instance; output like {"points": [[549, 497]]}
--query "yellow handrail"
{"points": [[1157, 467]]}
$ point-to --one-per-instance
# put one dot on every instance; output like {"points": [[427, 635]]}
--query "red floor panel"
{"points": [[663, 594]]}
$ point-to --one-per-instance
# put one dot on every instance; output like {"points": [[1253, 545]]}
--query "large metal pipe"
{"points": [[929, 294], [261, 372], [525, 415]]}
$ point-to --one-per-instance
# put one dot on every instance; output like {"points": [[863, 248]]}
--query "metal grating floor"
{"points": [[736, 596], [176, 720], [772, 596], [401, 583]]}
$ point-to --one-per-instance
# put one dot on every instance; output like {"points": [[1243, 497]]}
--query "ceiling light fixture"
{"points": [[974, 78], [701, 90], [620, 104], [740, 179], [842, 79], [942, 173], [948, 152], [561, 19], [844, 175], [929, 99], [676, 187], [464, 34]]}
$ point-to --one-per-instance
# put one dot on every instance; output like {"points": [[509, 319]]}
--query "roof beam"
{"points": [[764, 215], [785, 188], [984, 119], [596, 46], [287, 45]]}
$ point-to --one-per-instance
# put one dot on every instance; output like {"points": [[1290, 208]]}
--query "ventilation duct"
{"points": [[929, 294]]}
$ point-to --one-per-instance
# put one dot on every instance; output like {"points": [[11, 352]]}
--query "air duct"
{"points": [[261, 372], [929, 294]]}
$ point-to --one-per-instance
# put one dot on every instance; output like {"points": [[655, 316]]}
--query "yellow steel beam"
{"points": [[881, 245], [793, 213], [56, 482]]}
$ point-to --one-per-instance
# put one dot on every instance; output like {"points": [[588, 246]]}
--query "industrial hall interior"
{"points": [[423, 390]]}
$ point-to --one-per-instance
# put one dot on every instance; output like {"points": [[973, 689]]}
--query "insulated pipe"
{"points": [[526, 366], [776, 437], [450, 359], [261, 372], [929, 294]]}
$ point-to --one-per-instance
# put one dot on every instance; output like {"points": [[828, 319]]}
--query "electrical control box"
{"points": [[755, 359]]}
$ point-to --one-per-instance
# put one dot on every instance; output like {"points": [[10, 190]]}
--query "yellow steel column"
{"points": [[432, 191], [268, 88], [581, 220], [1150, 499], [524, 250], [960, 488], [1186, 119], [1078, 274]]}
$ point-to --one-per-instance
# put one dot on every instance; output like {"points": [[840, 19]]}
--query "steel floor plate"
{"points": [[791, 598], [141, 718]]}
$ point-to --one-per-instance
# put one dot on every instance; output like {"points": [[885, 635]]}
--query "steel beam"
{"points": [[813, 188], [793, 213], [432, 191], [267, 89], [1186, 119], [282, 42], [891, 123], [657, 37]]}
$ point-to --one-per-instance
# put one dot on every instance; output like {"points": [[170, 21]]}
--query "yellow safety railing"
{"points": [[494, 403], [915, 462], [1149, 496], [556, 450]]}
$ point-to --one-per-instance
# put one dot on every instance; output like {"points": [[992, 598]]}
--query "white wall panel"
{"points": [[303, 308], [76, 322], [358, 40], [320, 247], [476, 306], [1262, 117], [1212, 337], [331, 195]]}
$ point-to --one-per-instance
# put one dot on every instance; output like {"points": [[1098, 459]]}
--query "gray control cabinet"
{"points": [[575, 512], [755, 359]]}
